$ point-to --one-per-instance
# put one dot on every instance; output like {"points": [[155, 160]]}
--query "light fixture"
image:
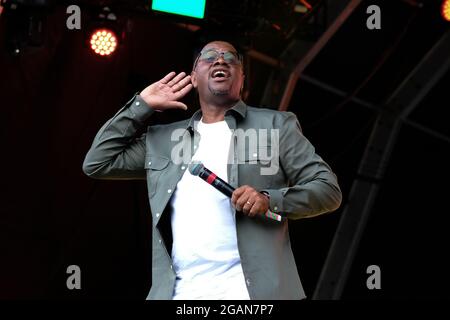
{"points": [[445, 9], [104, 33], [103, 42]]}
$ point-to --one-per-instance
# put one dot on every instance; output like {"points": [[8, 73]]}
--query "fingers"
{"points": [[184, 82], [177, 104], [184, 91], [167, 78], [178, 82], [248, 205], [249, 201], [257, 208], [180, 85], [164, 93], [243, 198], [253, 207], [244, 203], [236, 195], [175, 80]]}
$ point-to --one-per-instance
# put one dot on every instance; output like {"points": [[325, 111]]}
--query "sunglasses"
{"points": [[211, 55]]}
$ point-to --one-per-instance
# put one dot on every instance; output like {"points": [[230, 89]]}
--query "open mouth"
{"points": [[220, 74]]}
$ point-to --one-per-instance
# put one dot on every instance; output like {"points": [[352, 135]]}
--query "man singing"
{"points": [[206, 245]]}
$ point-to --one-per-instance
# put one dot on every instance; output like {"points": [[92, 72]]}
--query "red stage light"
{"points": [[103, 42]]}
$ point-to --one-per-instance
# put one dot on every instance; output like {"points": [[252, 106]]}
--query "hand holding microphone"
{"points": [[249, 201], [245, 198]]}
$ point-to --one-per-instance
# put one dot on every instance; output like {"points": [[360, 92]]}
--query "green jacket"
{"points": [[303, 186]]}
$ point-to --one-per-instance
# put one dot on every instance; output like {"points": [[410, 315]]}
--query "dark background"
{"points": [[56, 95]]}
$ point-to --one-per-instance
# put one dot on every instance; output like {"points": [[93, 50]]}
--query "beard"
{"points": [[217, 92]]}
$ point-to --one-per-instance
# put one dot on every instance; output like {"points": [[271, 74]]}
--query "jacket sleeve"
{"points": [[313, 188], [116, 152]]}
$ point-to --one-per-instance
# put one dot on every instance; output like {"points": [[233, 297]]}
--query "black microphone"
{"points": [[198, 169]]}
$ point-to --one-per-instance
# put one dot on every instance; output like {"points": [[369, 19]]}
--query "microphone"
{"points": [[198, 169]]}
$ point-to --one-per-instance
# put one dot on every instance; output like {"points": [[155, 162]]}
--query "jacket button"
{"points": [[138, 103], [248, 282], [157, 215], [149, 163], [169, 191], [275, 208], [183, 167], [160, 240]]}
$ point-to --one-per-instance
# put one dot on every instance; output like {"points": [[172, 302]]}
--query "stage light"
{"points": [[303, 7], [445, 10], [189, 8], [103, 42], [104, 33]]}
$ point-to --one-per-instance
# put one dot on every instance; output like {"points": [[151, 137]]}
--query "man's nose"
{"points": [[219, 60]]}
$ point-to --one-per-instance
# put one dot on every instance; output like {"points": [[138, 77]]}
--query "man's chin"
{"points": [[220, 93]]}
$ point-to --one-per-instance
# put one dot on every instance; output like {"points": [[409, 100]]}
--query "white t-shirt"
{"points": [[205, 252]]}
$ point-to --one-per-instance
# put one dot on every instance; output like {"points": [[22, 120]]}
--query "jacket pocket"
{"points": [[260, 155], [258, 166], [154, 165]]}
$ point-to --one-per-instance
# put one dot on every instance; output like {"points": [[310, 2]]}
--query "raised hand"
{"points": [[165, 93]]}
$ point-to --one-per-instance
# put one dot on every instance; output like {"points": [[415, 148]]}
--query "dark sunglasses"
{"points": [[211, 55]]}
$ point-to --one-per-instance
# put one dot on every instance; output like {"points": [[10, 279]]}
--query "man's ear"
{"points": [[194, 79]]}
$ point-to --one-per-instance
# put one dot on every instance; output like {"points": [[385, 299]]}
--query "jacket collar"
{"points": [[239, 110]]}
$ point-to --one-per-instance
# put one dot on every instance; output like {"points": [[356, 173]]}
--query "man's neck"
{"points": [[214, 113]]}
